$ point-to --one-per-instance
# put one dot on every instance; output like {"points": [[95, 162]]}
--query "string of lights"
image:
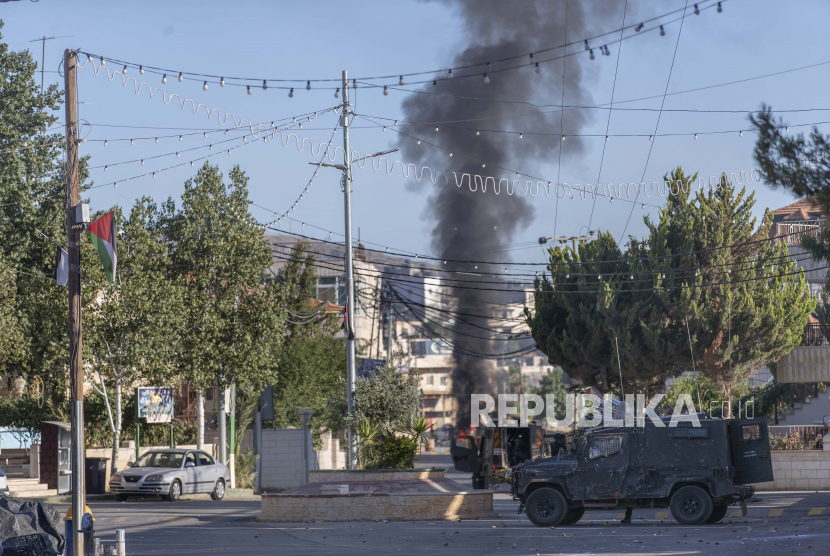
{"points": [[609, 191], [26, 146], [446, 73]]}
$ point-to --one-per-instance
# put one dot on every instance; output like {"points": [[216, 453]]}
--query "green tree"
{"points": [[312, 360], [386, 399], [133, 333], [793, 161], [553, 384], [233, 317], [704, 263], [32, 193]]}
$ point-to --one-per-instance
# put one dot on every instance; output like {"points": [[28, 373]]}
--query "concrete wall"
{"points": [[282, 465], [805, 364], [799, 470]]}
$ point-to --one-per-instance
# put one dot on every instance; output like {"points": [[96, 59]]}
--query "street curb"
{"points": [[230, 493]]}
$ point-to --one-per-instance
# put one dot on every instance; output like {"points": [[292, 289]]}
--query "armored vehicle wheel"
{"points": [[718, 513], [546, 507], [573, 515], [691, 505]]}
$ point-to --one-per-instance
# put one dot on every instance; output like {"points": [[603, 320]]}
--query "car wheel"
{"points": [[573, 516], [120, 497], [175, 491], [546, 507], [718, 513], [691, 505], [219, 490]]}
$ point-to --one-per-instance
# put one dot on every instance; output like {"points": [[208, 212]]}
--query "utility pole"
{"points": [[73, 233], [572, 239], [347, 205]]}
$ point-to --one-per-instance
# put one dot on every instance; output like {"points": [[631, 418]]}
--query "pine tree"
{"points": [[703, 262]]}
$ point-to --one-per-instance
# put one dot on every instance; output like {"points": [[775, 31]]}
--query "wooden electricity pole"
{"points": [[73, 236]]}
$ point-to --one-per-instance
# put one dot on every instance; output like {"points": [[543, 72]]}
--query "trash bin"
{"points": [[96, 475]]}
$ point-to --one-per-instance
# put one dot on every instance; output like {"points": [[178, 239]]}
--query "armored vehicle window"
{"points": [[751, 432], [603, 447]]}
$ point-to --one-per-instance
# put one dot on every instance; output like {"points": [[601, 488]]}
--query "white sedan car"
{"points": [[171, 473]]}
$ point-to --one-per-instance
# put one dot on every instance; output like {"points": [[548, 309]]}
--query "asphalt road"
{"points": [[781, 523]]}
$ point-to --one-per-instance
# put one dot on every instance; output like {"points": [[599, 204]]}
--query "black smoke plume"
{"points": [[472, 225]]}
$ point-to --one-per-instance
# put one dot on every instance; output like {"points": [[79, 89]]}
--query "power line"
{"points": [[195, 76]]}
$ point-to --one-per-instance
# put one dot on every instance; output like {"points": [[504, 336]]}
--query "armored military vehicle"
{"points": [[697, 472], [492, 452]]}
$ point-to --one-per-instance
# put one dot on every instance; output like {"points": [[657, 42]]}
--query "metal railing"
{"points": [[816, 335], [797, 437]]}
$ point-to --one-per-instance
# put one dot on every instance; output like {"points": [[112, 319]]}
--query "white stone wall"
{"points": [[282, 459], [805, 364], [799, 470]]}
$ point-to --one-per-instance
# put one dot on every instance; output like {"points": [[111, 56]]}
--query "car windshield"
{"points": [[160, 459]]}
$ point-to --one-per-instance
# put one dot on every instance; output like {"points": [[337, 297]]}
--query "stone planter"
{"points": [[391, 494]]}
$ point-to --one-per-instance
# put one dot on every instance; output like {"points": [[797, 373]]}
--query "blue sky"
{"points": [[319, 39]]}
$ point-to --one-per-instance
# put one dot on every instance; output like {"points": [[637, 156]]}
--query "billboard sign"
{"points": [[154, 404]]}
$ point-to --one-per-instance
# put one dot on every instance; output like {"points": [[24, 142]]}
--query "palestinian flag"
{"points": [[346, 327], [102, 234]]}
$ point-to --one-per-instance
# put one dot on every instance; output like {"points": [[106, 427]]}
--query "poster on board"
{"points": [[154, 404]]}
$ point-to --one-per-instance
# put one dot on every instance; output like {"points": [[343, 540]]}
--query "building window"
{"points": [[443, 381], [209, 394], [430, 379]]}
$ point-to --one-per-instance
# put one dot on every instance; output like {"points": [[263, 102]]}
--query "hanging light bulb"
{"points": [[249, 90], [354, 83], [449, 74], [106, 168], [396, 122], [337, 93], [486, 79], [132, 142], [204, 87], [103, 63], [178, 155], [662, 31], [291, 94], [164, 79], [124, 71], [563, 137], [450, 154], [639, 28], [787, 129], [720, 8], [478, 132], [592, 54], [142, 162], [436, 128], [154, 174], [400, 81], [740, 134], [650, 137], [419, 141], [191, 163], [264, 85], [181, 77], [537, 70], [205, 134], [385, 91], [308, 85], [697, 10], [606, 138], [695, 135], [157, 139], [211, 147], [105, 142], [141, 70], [180, 137], [643, 206], [384, 128], [521, 135], [115, 184]]}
